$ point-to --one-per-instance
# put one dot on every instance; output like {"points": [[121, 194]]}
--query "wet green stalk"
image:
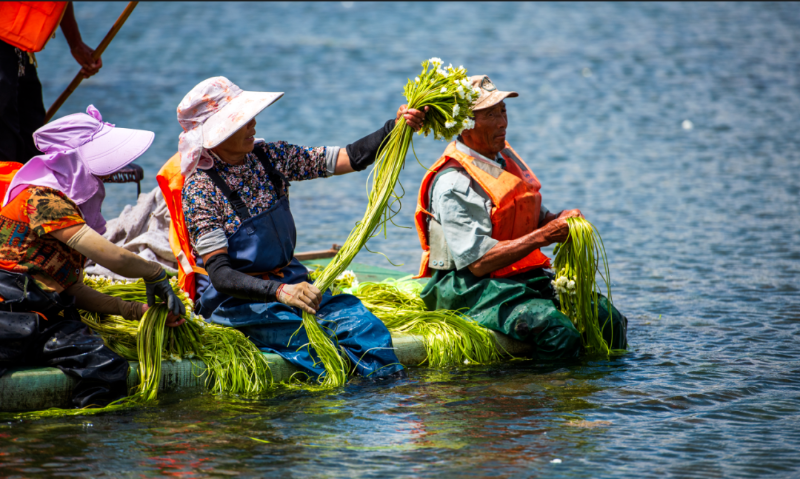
{"points": [[576, 265]]}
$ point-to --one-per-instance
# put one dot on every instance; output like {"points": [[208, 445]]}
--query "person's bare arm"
{"points": [[81, 51], [504, 253], [343, 165]]}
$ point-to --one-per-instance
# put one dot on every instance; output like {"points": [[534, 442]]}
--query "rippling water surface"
{"points": [[699, 217]]}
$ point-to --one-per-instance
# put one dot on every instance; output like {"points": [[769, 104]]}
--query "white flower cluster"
{"points": [[450, 94], [348, 277], [465, 89], [460, 85], [564, 285]]}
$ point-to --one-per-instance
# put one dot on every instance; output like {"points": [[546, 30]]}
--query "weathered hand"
{"points": [[173, 321], [305, 296], [556, 231], [83, 55], [414, 118], [576, 213]]}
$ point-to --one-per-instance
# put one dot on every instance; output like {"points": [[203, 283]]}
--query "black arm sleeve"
{"points": [[234, 283], [362, 152]]}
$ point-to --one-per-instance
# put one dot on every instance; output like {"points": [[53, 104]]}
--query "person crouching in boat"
{"points": [[236, 208], [481, 222], [50, 223]]}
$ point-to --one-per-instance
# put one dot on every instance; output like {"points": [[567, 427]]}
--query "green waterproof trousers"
{"points": [[524, 307]]}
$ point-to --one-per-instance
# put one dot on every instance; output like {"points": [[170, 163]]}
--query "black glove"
{"points": [[161, 287], [234, 283], [362, 152]]}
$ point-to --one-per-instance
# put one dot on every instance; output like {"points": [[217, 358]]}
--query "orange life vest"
{"points": [[28, 25], [514, 192], [170, 180], [7, 171]]}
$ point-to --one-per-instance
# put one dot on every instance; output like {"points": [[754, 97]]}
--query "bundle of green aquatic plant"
{"points": [[576, 264], [450, 337], [234, 364], [449, 95]]}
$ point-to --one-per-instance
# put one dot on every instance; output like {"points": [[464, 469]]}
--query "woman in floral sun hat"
{"points": [[236, 208]]}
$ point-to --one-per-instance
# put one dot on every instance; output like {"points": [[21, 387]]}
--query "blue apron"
{"points": [[264, 246]]}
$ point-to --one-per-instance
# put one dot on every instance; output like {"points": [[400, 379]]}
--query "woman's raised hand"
{"points": [[414, 118], [305, 296]]}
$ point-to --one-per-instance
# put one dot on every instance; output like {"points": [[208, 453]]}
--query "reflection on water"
{"points": [[437, 420], [700, 224]]}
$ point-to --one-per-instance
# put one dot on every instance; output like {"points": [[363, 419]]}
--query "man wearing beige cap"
{"points": [[482, 223]]}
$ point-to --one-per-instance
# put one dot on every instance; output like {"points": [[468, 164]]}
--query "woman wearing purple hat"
{"points": [[236, 207], [50, 223]]}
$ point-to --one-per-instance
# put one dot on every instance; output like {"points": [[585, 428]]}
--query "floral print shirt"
{"points": [[26, 245], [206, 209]]}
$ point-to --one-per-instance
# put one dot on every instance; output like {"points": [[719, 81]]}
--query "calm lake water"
{"points": [[674, 127]]}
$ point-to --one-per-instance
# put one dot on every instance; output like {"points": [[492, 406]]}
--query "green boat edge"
{"points": [[31, 389]]}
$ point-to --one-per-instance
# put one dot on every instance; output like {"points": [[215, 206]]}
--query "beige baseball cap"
{"points": [[488, 94]]}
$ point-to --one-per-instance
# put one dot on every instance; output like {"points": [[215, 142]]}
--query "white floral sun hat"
{"points": [[210, 113]]}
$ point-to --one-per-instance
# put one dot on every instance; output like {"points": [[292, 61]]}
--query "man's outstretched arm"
{"points": [[504, 253]]}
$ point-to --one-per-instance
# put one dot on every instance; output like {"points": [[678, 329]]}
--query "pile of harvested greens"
{"points": [[234, 364], [450, 337]]}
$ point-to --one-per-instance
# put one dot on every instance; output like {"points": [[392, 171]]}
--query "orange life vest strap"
{"points": [[199, 270]]}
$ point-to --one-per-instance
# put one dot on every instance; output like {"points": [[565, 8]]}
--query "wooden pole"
{"points": [[98, 51]]}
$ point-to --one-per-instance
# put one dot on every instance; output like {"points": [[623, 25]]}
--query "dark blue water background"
{"points": [[700, 223]]}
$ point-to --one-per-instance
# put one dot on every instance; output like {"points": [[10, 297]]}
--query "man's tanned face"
{"points": [[489, 135]]}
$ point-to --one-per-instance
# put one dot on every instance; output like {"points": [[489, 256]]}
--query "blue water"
{"points": [[700, 223]]}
